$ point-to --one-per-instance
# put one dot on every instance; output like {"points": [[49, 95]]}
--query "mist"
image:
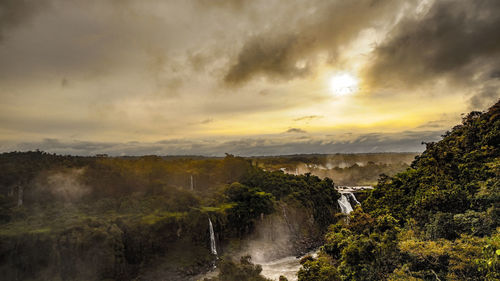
{"points": [[65, 185]]}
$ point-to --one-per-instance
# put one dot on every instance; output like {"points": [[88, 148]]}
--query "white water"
{"points": [[192, 183], [345, 206], [351, 195], [290, 265], [213, 247], [287, 266]]}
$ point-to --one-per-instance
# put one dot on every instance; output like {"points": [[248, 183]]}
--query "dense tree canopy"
{"points": [[438, 220], [143, 210]]}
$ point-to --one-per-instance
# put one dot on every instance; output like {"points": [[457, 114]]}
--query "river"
{"points": [[287, 266]]}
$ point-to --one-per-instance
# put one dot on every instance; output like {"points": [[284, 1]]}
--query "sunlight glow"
{"points": [[343, 84]]}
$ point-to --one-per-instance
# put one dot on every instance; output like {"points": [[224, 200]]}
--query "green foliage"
{"points": [[320, 269], [6, 206], [312, 192], [450, 226], [364, 248], [242, 271], [466, 258], [438, 220], [248, 204], [459, 173]]}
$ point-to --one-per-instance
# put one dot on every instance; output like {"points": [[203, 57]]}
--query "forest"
{"points": [[345, 169], [437, 220], [144, 218], [124, 218]]}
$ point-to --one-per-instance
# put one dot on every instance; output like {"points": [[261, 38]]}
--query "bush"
{"points": [[245, 270]]}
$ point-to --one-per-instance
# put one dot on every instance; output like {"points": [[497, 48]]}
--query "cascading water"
{"points": [[213, 247], [344, 204], [287, 266], [351, 195]]}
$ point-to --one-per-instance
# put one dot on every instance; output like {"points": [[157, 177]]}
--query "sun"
{"points": [[343, 84]]}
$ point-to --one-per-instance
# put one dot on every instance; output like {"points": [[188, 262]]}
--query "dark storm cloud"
{"points": [[75, 147], [455, 40], [295, 131], [115, 70], [307, 118], [485, 95], [399, 142], [289, 50], [434, 124], [16, 12], [373, 142], [495, 74], [276, 57], [86, 40], [206, 121]]}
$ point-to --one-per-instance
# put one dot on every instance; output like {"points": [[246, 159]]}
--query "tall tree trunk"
{"points": [[20, 191]]}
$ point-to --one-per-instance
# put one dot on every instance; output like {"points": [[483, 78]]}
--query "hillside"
{"points": [[438, 220], [345, 169], [144, 218]]}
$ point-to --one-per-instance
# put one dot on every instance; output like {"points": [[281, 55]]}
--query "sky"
{"points": [[260, 77]]}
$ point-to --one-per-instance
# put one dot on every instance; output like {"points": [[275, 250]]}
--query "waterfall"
{"points": [[213, 248], [192, 183], [353, 198], [345, 205]]}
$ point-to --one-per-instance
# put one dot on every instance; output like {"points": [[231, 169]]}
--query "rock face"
{"points": [[289, 232], [90, 252], [96, 250]]}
